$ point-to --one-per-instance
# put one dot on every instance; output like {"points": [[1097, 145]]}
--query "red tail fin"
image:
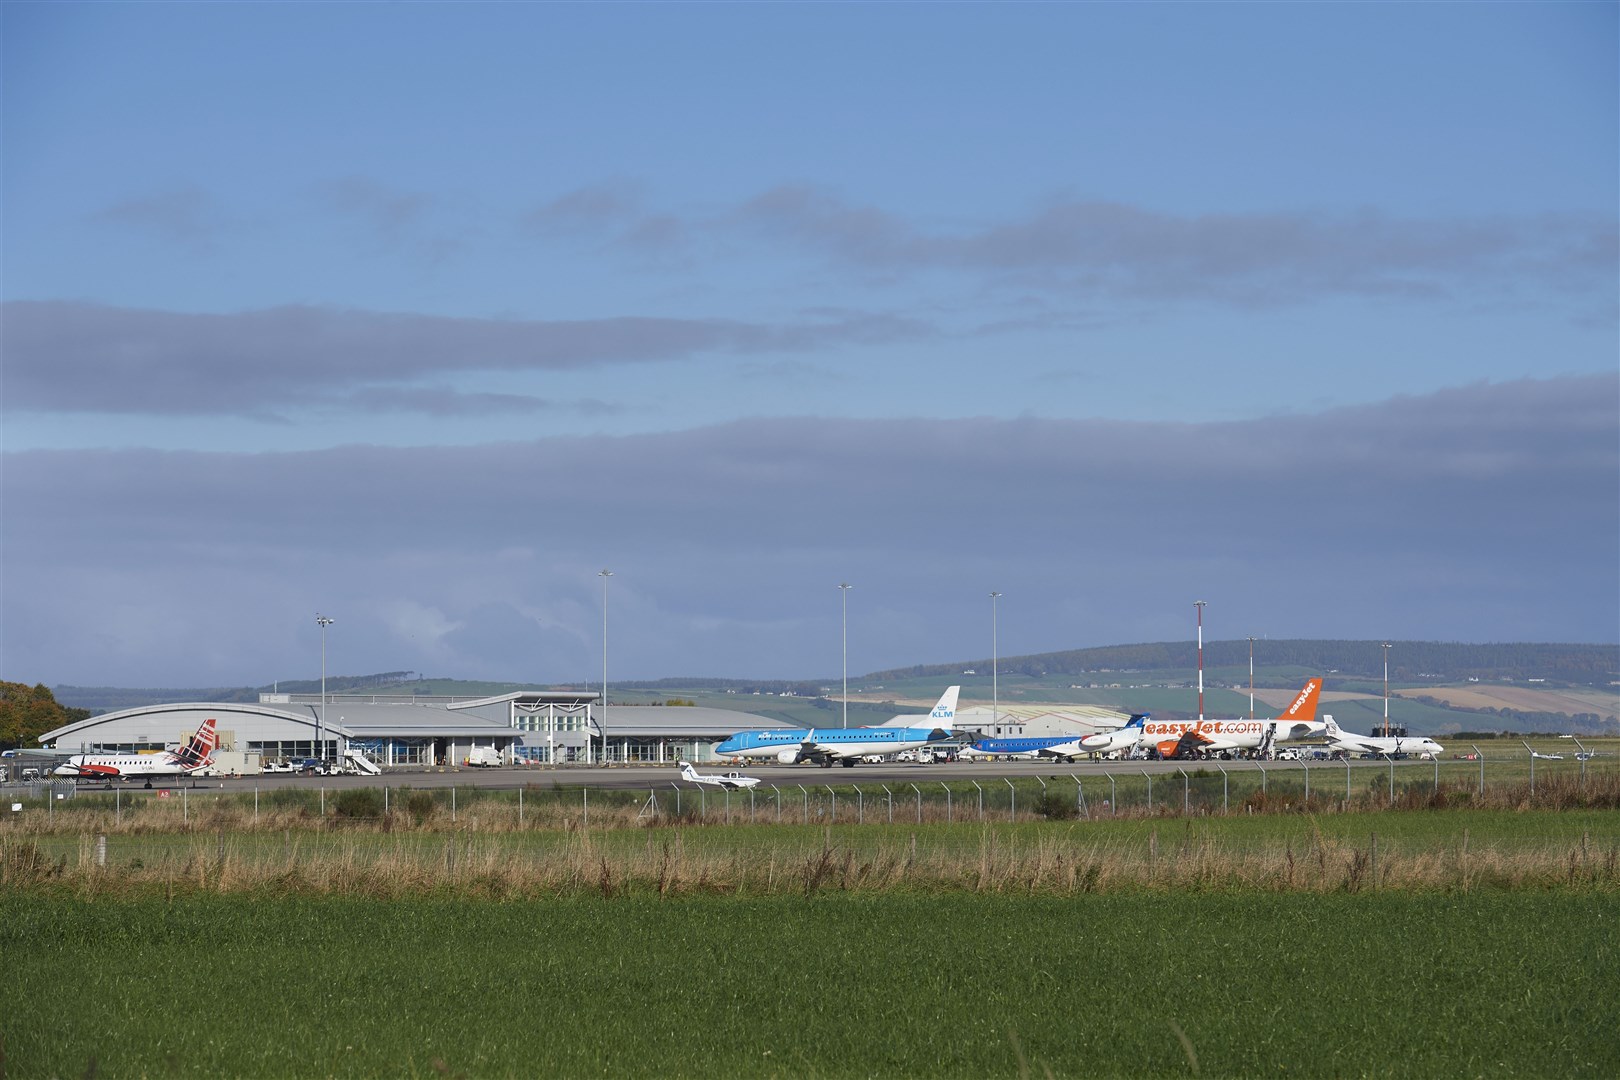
{"points": [[1304, 706], [197, 753]]}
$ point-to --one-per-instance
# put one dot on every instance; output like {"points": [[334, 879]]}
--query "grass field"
{"points": [[1497, 984], [1444, 934]]}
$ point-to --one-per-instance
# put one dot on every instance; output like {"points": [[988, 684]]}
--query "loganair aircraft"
{"points": [[1062, 747], [1340, 739], [1194, 738], [725, 780], [844, 745], [177, 761]]}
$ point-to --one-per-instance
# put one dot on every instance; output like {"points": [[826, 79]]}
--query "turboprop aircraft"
{"points": [[1194, 738], [844, 745], [1339, 739], [725, 780], [178, 761]]}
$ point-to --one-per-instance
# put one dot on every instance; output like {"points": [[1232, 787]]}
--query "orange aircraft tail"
{"points": [[1304, 707]]}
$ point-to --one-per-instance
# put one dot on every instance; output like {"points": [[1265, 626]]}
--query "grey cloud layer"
{"points": [[75, 357], [1486, 512], [1112, 248]]}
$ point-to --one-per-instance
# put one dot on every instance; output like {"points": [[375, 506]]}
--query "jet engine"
{"points": [[788, 757]]}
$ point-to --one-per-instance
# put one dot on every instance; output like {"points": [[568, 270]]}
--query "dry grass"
{"points": [[1065, 862]]}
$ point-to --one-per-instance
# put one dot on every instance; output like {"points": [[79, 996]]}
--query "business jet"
{"points": [[1339, 739], [1546, 757], [1197, 738], [176, 761], [724, 780], [823, 746]]}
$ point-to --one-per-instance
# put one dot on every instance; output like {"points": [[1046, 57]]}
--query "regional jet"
{"points": [[175, 761], [724, 780], [1385, 746], [845, 745]]}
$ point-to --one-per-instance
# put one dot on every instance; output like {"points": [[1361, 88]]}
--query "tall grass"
{"points": [[1000, 859]]}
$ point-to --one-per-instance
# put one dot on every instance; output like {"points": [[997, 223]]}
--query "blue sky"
{"points": [[1293, 308]]}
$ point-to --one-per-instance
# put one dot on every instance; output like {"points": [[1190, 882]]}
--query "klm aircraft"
{"points": [[844, 745]]}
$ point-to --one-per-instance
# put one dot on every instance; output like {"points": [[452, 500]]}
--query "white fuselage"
{"points": [[1229, 734], [1376, 744], [111, 765]]}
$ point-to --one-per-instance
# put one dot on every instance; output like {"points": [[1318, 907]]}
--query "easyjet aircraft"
{"points": [[178, 761], [1192, 738]]}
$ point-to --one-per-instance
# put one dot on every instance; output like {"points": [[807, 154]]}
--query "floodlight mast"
{"points": [[843, 592], [995, 668], [320, 726], [604, 575], [1199, 604], [1386, 689]]}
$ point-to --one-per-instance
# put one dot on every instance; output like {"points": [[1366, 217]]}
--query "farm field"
{"points": [[834, 984]]}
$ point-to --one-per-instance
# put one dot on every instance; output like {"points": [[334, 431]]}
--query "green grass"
{"points": [[835, 985]]}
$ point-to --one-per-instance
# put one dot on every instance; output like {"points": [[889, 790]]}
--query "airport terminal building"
{"points": [[404, 732]]}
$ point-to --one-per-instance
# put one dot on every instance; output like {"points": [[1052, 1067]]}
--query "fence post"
{"points": [[1012, 801], [1532, 754], [947, 788], [1113, 802], [1307, 782], [918, 790], [1186, 792], [860, 805], [1223, 789], [520, 804], [750, 806], [980, 790], [832, 813], [256, 802], [1347, 781], [1262, 769], [1392, 781], [677, 788], [1150, 787], [806, 803], [1582, 756], [703, 805], [728, 806], [1079, 793], [1481, 758], [778, 792], [890, 796], [584, 796], [185, 804]]}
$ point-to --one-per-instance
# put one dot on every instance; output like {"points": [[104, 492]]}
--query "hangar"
{"points": [[534, 726]]}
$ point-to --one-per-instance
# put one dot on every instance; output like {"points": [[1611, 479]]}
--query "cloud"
{"points": [[87, 358], [186, 217], [1111, 248], [1484, 512]]}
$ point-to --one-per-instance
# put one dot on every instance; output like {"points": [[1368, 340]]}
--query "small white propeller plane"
{"points": [[724, 780]]}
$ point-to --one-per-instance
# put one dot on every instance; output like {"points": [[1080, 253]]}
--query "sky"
{"points": [[420, 316]]}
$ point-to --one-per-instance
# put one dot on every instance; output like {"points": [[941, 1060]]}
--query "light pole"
{"points": [[320, 725], [843, 592], [1386, 689], [1199, 604], [1251, 677], [604, 575], [995, 668]]}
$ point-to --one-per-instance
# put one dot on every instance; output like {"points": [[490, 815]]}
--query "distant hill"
{"points": [[1409, 661]]}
